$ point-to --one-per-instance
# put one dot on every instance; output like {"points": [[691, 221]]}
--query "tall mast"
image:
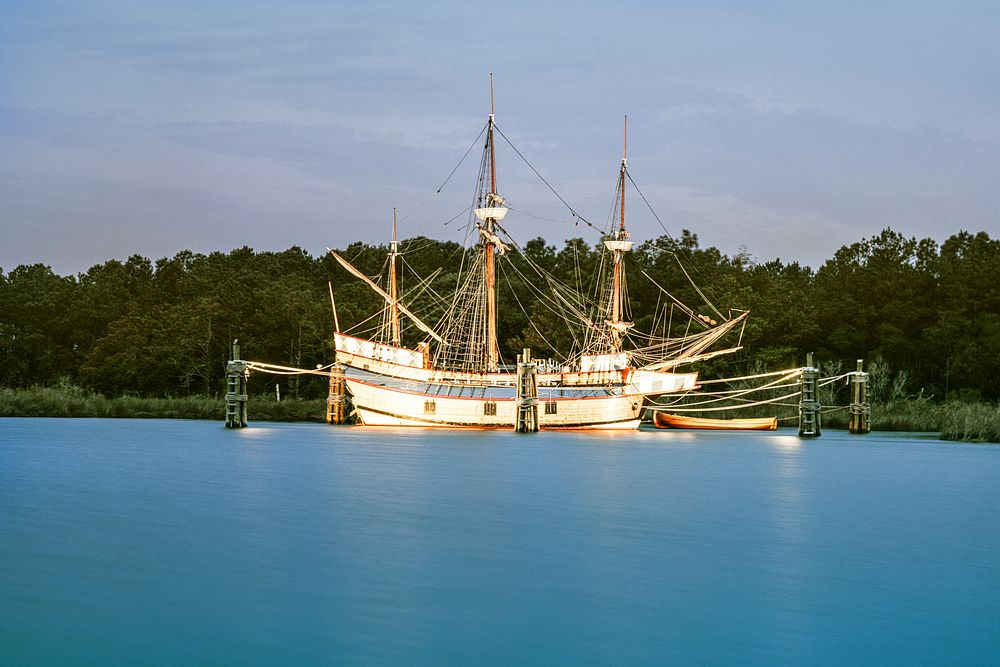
{"points": [[491, 210], [393, 292], [492, 353], [619, 244]]}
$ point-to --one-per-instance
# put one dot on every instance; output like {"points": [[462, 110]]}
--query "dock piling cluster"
{"points": [[860, 408], [527, 394], [236, 390], [809, 406], [336, 412]]}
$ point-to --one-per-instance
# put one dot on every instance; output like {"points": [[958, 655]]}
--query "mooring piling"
{"points": [[236, 389], [809, 406], [335, 408], [527, 394], [860, 408]]}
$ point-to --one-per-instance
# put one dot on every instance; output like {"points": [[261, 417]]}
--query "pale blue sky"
{"points": [[785, 128]]}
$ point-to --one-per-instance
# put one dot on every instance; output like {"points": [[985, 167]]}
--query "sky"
{"points": [[781, 129]]}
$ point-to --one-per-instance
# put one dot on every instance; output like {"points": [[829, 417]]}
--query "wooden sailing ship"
{"points": [[454, 377]]}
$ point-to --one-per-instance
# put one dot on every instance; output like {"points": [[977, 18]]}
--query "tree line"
{"points": [[929, 312]]}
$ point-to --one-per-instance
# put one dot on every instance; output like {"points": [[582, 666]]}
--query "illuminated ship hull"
{"points": [[389, 386]]}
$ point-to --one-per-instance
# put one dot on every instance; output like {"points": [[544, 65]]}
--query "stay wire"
{"points": [[665, 231], [547, 184], [473, 145]]}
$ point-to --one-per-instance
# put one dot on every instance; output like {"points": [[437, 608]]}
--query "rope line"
{"points": [[474, 142], [275, 369], [721, 408], [751, 377], [542, 179]]}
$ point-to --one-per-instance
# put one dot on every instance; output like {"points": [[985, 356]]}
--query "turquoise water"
{"points": [[158, 541]]}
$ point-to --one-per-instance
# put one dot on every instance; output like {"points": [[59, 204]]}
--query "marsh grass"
{"points": [[955, 420], [908, 415], [76, 402], [977, 422]]}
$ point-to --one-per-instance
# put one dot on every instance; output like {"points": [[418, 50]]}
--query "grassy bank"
{"points": [[74, 402], [955, 420], [978, 422]]}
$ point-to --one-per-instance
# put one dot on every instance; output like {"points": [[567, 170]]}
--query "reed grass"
{"points": [[954, 420], [908, 415], [976, 422], [76, 402]]}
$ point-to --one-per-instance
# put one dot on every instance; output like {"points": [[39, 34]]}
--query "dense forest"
{"points": [[929, 313]]}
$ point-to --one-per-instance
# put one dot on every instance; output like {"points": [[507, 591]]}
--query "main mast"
{"points": [[393, 292], [619, 244], [491, 210]]}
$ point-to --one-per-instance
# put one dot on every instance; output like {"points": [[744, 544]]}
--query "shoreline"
{"points": [[958, 421]]}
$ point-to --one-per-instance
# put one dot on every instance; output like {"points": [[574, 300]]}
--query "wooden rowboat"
{"points": [[664, 420]]}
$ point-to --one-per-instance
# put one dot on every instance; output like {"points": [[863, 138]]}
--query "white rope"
{"points": [[720, 408], [736, 393], [275, 369], [826, 381], [788, 372], [769, 385]]}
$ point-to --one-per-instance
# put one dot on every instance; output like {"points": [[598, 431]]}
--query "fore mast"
{"points": [[491, 209]]}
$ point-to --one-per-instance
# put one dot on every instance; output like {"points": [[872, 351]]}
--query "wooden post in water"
{"points": [[809, 417], [527, 394], [236, 390], [860, 408], [335, 410]]}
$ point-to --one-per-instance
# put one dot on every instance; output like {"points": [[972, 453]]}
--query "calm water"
{"points": [[140, 541]]}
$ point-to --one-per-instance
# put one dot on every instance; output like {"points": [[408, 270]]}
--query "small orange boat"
{"points": [[664, 420]]}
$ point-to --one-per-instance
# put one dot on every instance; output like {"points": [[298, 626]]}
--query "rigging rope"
{"points": [[542, 179], [650, 207], [474, 142]]}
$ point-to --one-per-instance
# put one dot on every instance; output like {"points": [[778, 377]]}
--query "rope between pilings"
{"points": [[275, 369]]}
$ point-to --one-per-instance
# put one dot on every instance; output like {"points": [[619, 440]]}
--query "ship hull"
{"points": [[392, 386], [386, 406]]}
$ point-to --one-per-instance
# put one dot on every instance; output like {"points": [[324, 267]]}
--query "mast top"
{"points": [[622, 234], [394, 229], [492, 111], [625, 144]]}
